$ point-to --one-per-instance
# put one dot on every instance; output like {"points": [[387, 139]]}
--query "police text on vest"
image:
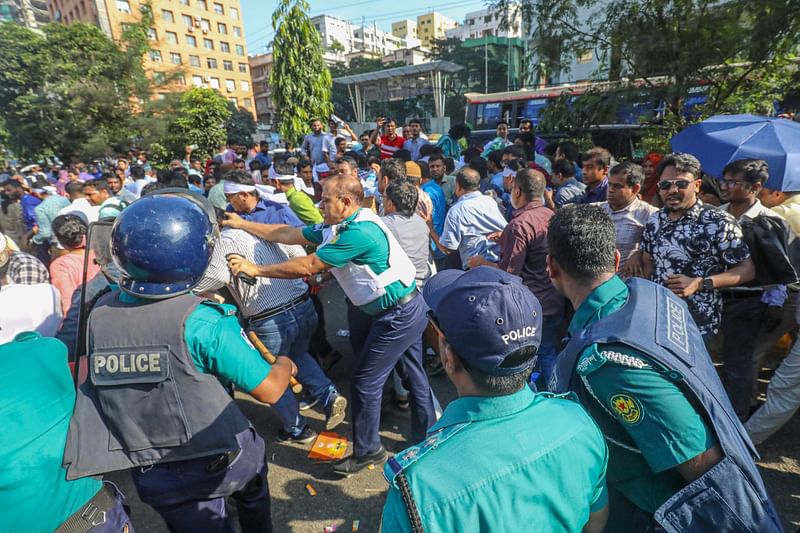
{"points": [[127, 363]]}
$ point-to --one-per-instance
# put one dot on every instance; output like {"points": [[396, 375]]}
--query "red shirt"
{"points": [[390, 146]]}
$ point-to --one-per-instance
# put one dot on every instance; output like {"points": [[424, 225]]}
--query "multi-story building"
{"points": [[489, 22], [431, 26], [337, 38], [193, 42], [369, 41], [405, 28], [407, 56], [31, 13], [260, 70]]}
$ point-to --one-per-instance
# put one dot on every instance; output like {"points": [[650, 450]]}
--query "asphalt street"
{"points": [[339, 501]]}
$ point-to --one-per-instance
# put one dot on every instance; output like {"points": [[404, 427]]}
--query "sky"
{"points": [[258, 14]]}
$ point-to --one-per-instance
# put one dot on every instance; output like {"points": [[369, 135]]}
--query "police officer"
{"points": [[36, 400], [679, 458], [501, 458], [377, 276], [153, 401]]}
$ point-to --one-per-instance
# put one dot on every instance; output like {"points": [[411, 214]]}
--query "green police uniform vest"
{"points": [[144, 401]]}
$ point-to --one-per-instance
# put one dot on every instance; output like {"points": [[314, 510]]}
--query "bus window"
{"points": [[532, 109], [488, 115], [507, 112]]}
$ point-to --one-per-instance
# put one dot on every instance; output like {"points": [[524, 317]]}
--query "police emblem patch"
{"points": [[627, 408]]}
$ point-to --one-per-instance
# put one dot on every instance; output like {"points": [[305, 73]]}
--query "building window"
{"points": [[187, 21], [205, 24], [222, 28], [218, 9], [203, 4], [181, 79], [183, 2], [248, 103], [175, 58], [230, 85], [152, 34], [191, 41], [212, 63], [224, 47], [242, 67], [214, 83], [172, 37], [197, 81], [194, 61], [244, 86], [239, 50], [585, 57], [234, 101], [155, 56], [227, 65], [167, 15], [208, 44], [237, 31], [159, 78], [234, 13], [124, 6]]}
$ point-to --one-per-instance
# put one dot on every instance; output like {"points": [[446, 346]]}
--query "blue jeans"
{"points": [[395, 335], [289, 334]]}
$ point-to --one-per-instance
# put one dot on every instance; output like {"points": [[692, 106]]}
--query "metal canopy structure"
{"points": [[399, 83]]}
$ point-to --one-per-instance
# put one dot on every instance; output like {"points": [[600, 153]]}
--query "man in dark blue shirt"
{"points": [[595, 174]]}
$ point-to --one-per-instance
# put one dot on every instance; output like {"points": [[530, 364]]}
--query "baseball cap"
{"points": [[486, 314], [413, 170]]}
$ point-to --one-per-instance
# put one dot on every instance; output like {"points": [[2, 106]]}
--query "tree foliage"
{"points": [[70, 89], [300, 80], [201, 118], [342, 106], [738, 51], [240, 126]]}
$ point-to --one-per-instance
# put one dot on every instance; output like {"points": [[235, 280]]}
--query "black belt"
{"points": [[92, 514], [275, 311], [402, 301]]}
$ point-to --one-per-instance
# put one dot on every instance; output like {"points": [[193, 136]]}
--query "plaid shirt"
{"points": [[25, 269], [629, 223]]}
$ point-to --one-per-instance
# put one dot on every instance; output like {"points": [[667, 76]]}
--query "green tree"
{"points": [[240, 126], [300, 80], [69, 90], [738, 50], [201, 118]]}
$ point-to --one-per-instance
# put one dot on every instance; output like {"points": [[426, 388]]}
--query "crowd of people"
{"points": [[513, 267]]}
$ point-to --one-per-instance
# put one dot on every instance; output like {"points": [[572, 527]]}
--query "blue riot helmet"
{"points": [[162, 243]]}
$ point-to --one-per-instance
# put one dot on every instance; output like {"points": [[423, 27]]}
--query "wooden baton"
{"points": [[297, 387]]}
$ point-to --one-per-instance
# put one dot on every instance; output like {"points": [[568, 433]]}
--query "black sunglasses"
{"points": [[666, 185]]}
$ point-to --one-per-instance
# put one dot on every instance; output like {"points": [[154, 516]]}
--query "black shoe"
{"points": [[353, 465], [307, 436], [335, 412]]}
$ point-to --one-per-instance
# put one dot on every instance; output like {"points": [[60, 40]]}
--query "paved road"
{"points": [[340, 501]]}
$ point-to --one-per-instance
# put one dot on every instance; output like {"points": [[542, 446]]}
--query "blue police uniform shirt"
{"points": [[436, 194], [269, 212]]}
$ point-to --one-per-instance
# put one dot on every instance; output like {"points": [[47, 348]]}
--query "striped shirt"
{"points": [[267, 293], [629, 223]]}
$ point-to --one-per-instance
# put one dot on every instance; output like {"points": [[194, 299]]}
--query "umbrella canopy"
{"points": [[725, 138]]}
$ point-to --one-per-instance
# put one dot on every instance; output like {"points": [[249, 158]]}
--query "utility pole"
{"points": [[485, 62]]}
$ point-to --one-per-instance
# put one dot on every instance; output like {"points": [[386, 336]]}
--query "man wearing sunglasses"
{"points": [[691, 248], [487, 463]]}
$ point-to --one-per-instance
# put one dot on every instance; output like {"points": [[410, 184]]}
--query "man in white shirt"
{"points": [[628, 213], [79, 204], [26, 307], [474, 223], [280, 313]]}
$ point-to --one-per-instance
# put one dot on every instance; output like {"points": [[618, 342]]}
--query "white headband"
{"points": [[230, 187]]}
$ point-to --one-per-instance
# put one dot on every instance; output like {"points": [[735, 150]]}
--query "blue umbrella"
{"points": [[725, 138]]}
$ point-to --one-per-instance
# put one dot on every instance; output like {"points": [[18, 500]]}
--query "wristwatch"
{"points": [[708, 284]]}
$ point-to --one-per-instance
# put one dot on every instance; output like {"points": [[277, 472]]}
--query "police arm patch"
{"points": [[627, 408]]}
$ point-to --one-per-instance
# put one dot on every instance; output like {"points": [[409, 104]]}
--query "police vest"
{"points": [[731, 496], [144, 402], [359, 282]]}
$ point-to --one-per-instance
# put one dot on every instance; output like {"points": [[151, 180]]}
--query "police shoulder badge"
{"points": [[627, 408]]}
